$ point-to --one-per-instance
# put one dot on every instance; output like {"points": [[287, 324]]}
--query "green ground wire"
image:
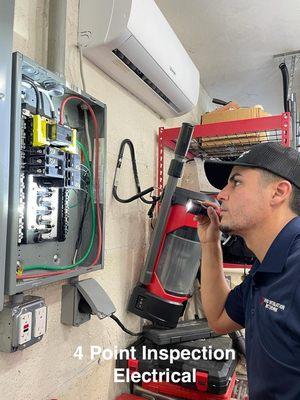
{"points": [[93, 230]]}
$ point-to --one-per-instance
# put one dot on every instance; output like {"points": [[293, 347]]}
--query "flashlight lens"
{"points": [[189, 205]]}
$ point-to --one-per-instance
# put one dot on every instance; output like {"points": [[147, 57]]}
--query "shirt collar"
{"points": [[277, 254]]}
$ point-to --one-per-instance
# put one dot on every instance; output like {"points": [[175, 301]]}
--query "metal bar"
{"points": [[293, 108], [6, 42], [285, 56], [285, 128], [230, 127], [170, 144], [292, 75], [160, 162]]}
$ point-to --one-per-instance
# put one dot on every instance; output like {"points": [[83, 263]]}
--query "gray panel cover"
{"points": [[6, 35]]}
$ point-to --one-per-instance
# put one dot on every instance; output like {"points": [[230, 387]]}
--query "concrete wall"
{"points": [[48, 370]]}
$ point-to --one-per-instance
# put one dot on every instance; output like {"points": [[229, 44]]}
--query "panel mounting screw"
{"points": [[2, 96]]}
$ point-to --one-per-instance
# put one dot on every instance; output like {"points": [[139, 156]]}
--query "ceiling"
{"points": [[233, 44]]}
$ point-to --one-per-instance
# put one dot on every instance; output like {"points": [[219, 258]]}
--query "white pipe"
{"points": [[57, 36]]}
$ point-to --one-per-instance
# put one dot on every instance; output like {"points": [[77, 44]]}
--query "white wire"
{"points": [[75, 256], [84, 167], [48, 98]]}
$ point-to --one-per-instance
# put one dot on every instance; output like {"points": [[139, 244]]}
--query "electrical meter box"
{"points": [[56, 180]]}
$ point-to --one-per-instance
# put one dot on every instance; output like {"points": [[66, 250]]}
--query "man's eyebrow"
{"points": [[231, 179]]}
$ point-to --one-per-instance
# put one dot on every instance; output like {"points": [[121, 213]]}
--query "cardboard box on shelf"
{"points": [[233, 113], [234, 140]]}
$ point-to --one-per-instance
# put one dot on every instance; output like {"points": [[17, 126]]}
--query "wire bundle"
{"points": [[94, 200]]}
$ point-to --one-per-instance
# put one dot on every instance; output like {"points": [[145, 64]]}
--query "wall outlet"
{"points": [[40, 319], [23, 322], [25, 327]]}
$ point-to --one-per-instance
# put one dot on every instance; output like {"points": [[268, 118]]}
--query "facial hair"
{"points": [[226, 229]]}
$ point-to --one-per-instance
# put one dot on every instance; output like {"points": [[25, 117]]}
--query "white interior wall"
{"points": [[48, 370]]}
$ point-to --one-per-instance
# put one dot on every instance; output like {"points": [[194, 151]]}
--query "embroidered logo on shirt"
{"points": [[271, 305]]}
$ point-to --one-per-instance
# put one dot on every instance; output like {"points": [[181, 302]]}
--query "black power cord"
{"points": [[285, 84], [116, 319], [31, 82], [86, 206], [140, 193]]}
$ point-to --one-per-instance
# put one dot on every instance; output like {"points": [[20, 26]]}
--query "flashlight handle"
{"points": [[183, 142], [202, 211]]}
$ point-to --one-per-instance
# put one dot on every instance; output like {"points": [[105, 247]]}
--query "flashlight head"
{"points": [[196, 207]]}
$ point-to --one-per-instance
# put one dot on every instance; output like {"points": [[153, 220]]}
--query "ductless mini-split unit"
{"points": [[133, 43]]}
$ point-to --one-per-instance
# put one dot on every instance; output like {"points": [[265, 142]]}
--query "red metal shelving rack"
{"points": [[240, 136]]}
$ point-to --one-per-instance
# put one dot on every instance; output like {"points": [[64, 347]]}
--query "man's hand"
{"points": [[209, 227]]}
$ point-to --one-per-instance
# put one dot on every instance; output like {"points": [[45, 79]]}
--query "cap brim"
{"points": [[217, 172]]}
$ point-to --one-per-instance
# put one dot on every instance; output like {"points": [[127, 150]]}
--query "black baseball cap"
{"points": [[270, 156]]}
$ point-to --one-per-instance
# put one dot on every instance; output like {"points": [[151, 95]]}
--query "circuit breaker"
{"points": [[56, 188]]}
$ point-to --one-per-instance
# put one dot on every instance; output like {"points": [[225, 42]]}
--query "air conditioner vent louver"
{"points": [[144, 78]]}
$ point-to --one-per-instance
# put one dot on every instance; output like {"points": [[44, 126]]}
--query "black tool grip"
{"points": [[183, 142]]}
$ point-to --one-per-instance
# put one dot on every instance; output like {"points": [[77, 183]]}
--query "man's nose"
{"points": [[223, 194]]}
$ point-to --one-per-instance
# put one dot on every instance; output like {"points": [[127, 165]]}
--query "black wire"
{"points": [[116, 319], [37, 94], [42, 101], [84, 214], [140, 193], [285, 85], [147, 201], [86, 205]]}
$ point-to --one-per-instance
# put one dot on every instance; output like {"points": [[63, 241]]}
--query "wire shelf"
{"points": [[231, 146], [225, 140]]}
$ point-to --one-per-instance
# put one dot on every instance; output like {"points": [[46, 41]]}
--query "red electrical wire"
{"points": [[96, 172], [32, 276]]}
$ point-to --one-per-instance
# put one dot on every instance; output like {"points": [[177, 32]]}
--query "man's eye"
{"points": [[236, 183]]}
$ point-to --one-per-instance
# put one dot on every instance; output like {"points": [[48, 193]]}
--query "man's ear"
{"points": [[281, 191]]}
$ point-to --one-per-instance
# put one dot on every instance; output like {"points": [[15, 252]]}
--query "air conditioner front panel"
{"points": [[106, 60], [164, 46], [167, 80], [138, 55]]}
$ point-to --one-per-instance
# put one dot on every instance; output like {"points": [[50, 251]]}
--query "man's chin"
{"points": [[226, 229]]}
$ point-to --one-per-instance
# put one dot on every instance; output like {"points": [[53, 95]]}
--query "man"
{"points": [[260, 201]]}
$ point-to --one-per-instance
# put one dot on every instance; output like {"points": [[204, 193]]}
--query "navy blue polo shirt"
{"points": [[267, 304]]}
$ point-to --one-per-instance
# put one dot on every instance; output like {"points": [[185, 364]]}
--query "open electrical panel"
{"points": [[56, 180]]}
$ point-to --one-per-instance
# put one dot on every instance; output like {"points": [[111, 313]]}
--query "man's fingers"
{"points": [[211, 204], [213, 216], [202, 220]]}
